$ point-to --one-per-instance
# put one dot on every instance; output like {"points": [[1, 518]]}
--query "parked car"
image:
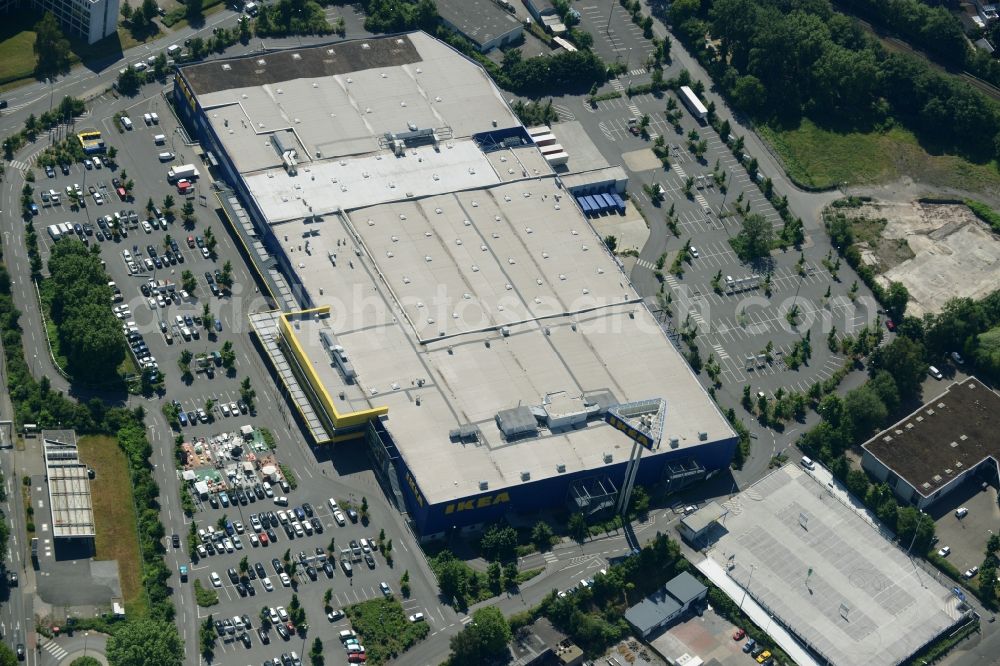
{"points": [[944, 552]]}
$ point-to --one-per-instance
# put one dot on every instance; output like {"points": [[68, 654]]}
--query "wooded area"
{"points": [[781, 61]]}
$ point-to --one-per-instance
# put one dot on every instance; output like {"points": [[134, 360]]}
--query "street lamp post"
{"points": [[86, 634]]}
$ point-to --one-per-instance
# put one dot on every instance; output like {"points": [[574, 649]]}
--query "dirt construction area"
{"points": [[937, 251]]}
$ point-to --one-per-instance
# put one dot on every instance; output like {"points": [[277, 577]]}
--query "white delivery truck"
{"points": [[176, 173]]}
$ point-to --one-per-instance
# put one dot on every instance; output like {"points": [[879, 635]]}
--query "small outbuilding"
{"points": [[666, 604]]}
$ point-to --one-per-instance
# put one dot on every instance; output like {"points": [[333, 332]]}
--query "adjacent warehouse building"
{"points": [[828, 576], [482, 22], [453, 308], [931, 452], [69, 489], [670, 602], [90, 20]]}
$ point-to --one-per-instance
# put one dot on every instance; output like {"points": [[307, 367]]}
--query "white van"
{"points": [[281, 501], [97, 162], [159, 139], [251, 8], [166, 157], [127, 123], [173, 50], [808, 463], [934, 372]]}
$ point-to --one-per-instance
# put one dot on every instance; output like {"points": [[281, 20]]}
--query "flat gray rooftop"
{"points": [[69, 488], [455, 307], [345, 110], [827, 575], [481, 21]]}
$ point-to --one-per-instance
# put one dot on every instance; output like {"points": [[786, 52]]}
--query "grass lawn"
{"points": [[17, 59], [114, 515], [816, 157], [384, 628]]}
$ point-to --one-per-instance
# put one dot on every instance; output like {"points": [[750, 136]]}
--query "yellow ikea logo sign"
{"points": [[636, 435], [416, 491], [480, 503]]}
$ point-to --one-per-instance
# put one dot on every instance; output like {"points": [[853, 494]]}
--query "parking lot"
{"points": [[327, 540], [966, 537], [617, 41]]}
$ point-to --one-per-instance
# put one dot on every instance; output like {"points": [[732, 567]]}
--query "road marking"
{"points": [[55, 650], [679, 171], [550, 557], [466, 620], [720, 351], [646, 264]]}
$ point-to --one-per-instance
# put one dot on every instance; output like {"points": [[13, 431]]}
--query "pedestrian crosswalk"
{"points": [[55, 650], [637, 72], [720, 350], [646, 264], [550, 557], [634, 110], [671, 281], [617, 85], [679, 171], [701, 200], [19, 165]]}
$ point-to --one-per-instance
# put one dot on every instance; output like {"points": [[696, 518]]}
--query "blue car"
{"points": [[750, 645], [224, 498], [182, 417], [33, 208], [218, 325]]}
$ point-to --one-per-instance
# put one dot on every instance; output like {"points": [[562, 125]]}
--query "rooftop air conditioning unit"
{"points": [[484, 485], [525, 476], [561, 468]]}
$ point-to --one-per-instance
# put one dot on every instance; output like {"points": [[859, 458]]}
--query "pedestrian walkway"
{"points": [[715, 573], [19, 165], [550, 557]]}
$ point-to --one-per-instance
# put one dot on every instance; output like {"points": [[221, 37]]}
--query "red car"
{"points": [[122, 194], [183, 185], [357, 657], [890, 324], [263, 538], [190, 241], [739, 635]]}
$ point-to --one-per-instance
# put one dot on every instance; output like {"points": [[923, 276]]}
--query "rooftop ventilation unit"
{"points": [[561, 468], [525, 476], [484, 485]]}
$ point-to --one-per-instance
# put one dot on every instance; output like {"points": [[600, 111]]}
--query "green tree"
{"points": [[987, 352], [247, 394], [755, 239], [51, 48], [864, 411], [316, 653], [577, 527], [89, 334], [903, 359], [499, 542], [483, 640], [193, 10], [145, 642], [896, 298], [493, 573], [228, 355], [541, 535], [188, 281], [452, 577], [510, 573]]}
